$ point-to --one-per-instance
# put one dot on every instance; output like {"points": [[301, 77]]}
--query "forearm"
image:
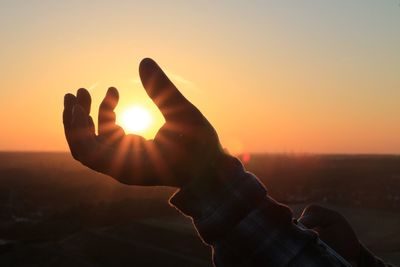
{"points": [[234, 215], [368, 259]]}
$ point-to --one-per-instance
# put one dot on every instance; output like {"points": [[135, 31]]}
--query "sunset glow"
{"points": [[271, 76]]}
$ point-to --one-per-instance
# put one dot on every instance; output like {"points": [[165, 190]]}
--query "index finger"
{"points": [[109, 131]]}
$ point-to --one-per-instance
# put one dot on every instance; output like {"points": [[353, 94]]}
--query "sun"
{"points": [[136, 120]]}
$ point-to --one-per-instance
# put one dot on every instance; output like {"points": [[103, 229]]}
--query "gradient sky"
{"points": [[275, 76]]}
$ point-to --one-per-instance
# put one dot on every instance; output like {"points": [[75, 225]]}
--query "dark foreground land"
{"points": [[55, 212]]}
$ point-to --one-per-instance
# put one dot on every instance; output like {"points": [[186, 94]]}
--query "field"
{"points": [[55, 212]]}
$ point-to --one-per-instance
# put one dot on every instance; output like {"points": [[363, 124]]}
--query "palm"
{"points": [[185, 145]]}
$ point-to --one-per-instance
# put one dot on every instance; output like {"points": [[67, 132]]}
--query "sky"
{"points": [[271, 76]]}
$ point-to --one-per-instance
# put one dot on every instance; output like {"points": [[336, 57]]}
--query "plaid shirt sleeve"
{"points": [[234, 215]]}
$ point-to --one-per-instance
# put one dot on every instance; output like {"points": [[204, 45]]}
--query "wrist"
{"points": [[220, 197]]}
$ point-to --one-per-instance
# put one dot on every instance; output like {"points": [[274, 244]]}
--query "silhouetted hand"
{"points": [[185, 147], [333, 229]]}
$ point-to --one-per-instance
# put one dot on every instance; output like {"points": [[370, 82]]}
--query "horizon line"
{"points": [[239, 154]]}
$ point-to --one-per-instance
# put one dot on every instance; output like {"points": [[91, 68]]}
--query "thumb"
{"points": [[310, 221], [316, 216], [172, 104]]}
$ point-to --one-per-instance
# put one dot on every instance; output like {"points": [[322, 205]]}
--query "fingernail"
{"points": [[80, 91], [146, 67], [68, 100], [112, 92]]}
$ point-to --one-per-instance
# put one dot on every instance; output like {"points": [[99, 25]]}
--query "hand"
{"points": [[333, 229], [186, 146]]}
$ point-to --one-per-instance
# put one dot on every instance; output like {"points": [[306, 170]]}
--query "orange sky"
{"points": [[270, 76]]}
